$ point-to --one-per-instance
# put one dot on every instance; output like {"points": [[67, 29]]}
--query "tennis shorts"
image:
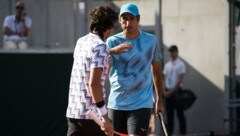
{"points": [[131, 122], [83, 127]]}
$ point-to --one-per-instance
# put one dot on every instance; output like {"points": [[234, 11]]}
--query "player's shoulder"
{"points": [[168, 63], [91, 39], [10, 17], [13, 17], [28, 18], [115, 37], [97, 43], [180, 62], [148, 35]]}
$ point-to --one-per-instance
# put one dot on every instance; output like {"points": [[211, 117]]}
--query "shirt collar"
{"points": [[140, 33], [175, 61]]}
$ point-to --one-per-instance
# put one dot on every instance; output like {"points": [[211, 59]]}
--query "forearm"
{"points": [[112, 51], [116, 50], [94, 84], [97, 96], [24, 31], [158, 85], [8, 32], [177, 86], [179, 82], [121, 48], [96, 92], [158, 81], [175, 89]]}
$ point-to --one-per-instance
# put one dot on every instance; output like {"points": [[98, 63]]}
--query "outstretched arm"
{"points": [[122, 48]]}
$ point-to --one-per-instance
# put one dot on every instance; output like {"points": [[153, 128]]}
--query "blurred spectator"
{"points": [[174, 71], [16, 28]]}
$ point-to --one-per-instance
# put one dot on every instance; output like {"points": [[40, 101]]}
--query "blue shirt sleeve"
{"points": [[157, 55], [109, 45]]}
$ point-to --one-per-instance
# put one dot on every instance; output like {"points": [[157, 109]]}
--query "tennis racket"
{"points": [[160, 116], [100, 123]]}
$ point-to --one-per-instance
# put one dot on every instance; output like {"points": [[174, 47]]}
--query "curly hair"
{"points": [[102, 18]]}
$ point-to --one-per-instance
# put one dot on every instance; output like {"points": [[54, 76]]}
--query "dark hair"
{"points": [[102, 18], [173, 48]]}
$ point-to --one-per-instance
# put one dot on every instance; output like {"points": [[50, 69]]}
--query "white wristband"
{"points": [[103, 110]]}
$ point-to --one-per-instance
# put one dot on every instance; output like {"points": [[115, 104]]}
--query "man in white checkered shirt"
{"points": [[90, 69]]}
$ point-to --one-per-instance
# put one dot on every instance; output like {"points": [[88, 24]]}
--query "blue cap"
{"points": [[129, 8]]}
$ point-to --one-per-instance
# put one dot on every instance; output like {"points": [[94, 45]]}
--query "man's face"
{"points": [[20, 8], [173, 54], [129, 23]]}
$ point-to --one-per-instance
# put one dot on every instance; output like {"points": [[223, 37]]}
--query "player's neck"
{"points": [[174, 59], [131, 35], [18, 17], [97, 33]]}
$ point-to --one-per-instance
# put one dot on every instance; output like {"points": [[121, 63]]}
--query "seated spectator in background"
{"points": [[16, 28]]}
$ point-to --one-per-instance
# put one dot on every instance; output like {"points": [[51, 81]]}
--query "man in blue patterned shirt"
{"points": [[134, 76]]}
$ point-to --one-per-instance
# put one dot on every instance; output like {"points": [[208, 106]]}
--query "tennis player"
{"points": [[90, 69], [135, 76]]}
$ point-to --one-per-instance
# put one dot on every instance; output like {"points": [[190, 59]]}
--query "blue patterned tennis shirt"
{"points": [[130, 75]]}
